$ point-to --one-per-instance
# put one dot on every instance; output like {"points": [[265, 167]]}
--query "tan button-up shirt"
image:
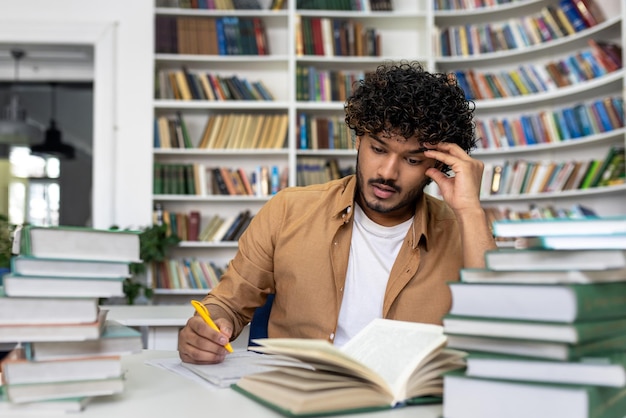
{"points": [[297, 247]]}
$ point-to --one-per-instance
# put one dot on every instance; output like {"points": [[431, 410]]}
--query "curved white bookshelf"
{"points": [[487, 10], [606, 81], [464, 60], [589, 147], [591, 192], [598, 139]]}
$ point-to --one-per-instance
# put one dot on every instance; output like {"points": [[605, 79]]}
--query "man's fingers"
{"points": [[198, 343]]}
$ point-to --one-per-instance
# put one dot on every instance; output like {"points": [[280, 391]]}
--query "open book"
{"points": [[383, 366]]}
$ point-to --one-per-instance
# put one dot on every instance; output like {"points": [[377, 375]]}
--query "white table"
{"points": [[156, 393], [162, 323]]}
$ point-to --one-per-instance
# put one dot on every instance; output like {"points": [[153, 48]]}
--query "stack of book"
{"points": [[66, 350], [544, 324]]}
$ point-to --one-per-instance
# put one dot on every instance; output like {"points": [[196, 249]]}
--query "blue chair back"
{"points": [[258, 325]]}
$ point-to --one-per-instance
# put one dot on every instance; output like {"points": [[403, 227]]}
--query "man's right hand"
{"points": [[200, 344]]}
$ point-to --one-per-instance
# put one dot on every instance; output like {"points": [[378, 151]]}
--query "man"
{"points": [[340, 254]]}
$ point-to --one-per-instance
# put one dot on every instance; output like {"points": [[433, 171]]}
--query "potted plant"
{"points": [[154, 244], [6, 244]]}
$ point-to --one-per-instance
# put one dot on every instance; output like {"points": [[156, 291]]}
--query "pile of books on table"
{"points": [[544, 324], [66, 351]]}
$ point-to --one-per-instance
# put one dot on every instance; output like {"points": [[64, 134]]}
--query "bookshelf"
{"points": [[549, 103], [308, 87]]}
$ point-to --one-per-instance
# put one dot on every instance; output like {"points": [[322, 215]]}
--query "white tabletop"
{"points": [[153, 392], [150, 315]]}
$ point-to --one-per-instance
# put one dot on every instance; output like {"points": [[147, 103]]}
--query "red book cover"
{"points": [[318, 41], [193, 226]]}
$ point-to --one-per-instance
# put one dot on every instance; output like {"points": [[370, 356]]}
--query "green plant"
{"points": [[154, 244], [6, 241]]}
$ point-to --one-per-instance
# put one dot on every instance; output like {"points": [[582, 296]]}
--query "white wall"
{"points": [[126, 173]]}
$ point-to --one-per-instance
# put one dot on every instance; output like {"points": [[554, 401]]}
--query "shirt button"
{"points": [[332, 336]]}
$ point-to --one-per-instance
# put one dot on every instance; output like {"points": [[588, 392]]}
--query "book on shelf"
{"points": [[66, 242], [37, 310], [70, 287], [466, 397], [572, 332], [553, 350], [539, 259], [553, 302], [53, 331], [18, 370], [383, 366], [600, 370], [36, 266], [42, 408], [115, 340], [542, 276]]}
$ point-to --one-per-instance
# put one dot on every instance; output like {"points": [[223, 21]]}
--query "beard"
{"points": [[410, 199]]}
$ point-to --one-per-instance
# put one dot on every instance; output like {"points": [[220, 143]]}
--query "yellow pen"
{"points": [[204, 313]]}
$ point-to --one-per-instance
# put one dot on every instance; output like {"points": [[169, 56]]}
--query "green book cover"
{"points": [[574, 333], [288, 413], [74, 242], [537, 349], [531, 398], [539, 302], [601, 370]]}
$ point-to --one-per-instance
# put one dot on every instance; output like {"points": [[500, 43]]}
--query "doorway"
{"points": [[50, 188]]}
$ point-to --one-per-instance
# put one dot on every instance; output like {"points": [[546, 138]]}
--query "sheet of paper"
{"points": [[174, 365], [222, 375]]}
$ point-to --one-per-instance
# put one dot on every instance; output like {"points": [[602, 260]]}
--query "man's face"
{"points": [[391, 176]]}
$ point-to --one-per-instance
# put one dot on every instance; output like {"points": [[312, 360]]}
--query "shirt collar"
{"points": [[345, 204]]}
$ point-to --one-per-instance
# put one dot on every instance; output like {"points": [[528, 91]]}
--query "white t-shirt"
{"points": [[373, 251]]}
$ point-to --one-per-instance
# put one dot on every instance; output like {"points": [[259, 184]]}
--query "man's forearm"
{"points": [[476, 237]]}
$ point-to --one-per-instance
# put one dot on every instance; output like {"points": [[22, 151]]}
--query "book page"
{"points": [[394, 349]]}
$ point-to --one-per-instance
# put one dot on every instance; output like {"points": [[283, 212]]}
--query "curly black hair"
{"points": [[405, 99]]}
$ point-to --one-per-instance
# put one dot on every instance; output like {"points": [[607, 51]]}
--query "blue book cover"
{"points": [[574, 68], [597, 69], [586, 127], [304, 140], [156, 138], [221, 36], [508, 131], [572, 14], [529, 134], [563, 128], [572, 122], [603, 116], [462, 80]]}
